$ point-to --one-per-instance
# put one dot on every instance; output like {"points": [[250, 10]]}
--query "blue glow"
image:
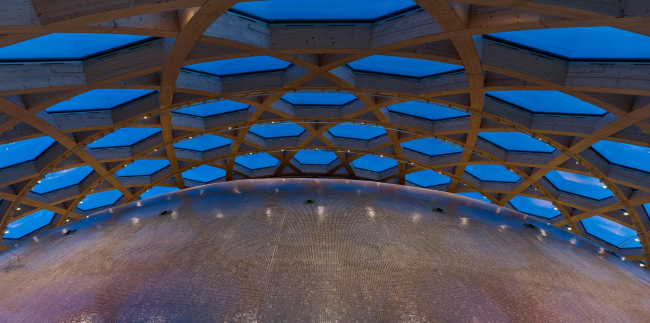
{"points": [[319, 98], [578, 184], [476, 196], [402, 66], [61, 179], [516, 141], [143, 167], [431, 147], [237, 66], [213, 108], [257, 161], [583, 42], [541, 208], [278, 130], [100, 199], [426, 178], [611, 232], [23, 151], [203, 143], [28, 224], [354, 131], [312, 157], [94, 100], [374, 163], [204, 174], [333, 10], [426, 111], [632, 156], [65, 46], [124, 137], [550, 102], [158, 190], [492, 173]]}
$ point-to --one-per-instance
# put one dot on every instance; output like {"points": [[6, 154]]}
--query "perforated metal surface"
{"points": [[252, 251]]}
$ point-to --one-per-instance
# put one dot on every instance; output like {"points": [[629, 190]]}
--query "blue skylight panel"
{"points": [[431, 147], [213, 108], [611, 232], [335, 99], [143, 167], [23, 151], [355, 131], [492, 173], [583, 42], [313, 157], [578, 184], [158, 190], [516, 141], [529, 205], [237, 66], [333, 10], [28, 224], [101, 199], [61, 179], [257, 161], [426, 111], [402, 66], [65, 46], [426, 178], [549, 102], [476, 196], [203, 143], [94, 100], [277, 130], [124, 137], [632, 156], [374, 163], [204, 174]]}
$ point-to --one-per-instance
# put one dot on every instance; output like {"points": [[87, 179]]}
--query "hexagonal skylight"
{"points": [[426, 111], [355, 131], [204, 174], [203, 143], [124, 137], [318, 99], [632, 156], [548, 102], [143, 167], [492, 173], [277, 130], [28, 224], [374, 163], [238, 66], [427, 178], [529, 205], [516, 141], [94, 100], [313, 157], [101, 199], [578, 184], [61, 179], [23, 151], [431, 147], [257, 161], [402, 66], [212, 108], [611, 232]]}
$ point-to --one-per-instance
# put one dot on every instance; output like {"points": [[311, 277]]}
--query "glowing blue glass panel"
{"points": [[23, 151], [98, 100], [143, 167], [65, 46], [354, 131], [124, 137], [277, 130], [541, 208], [431, 147], [492, 173], [583, 42], [158, 190], [319, 98], [632, 156], [312, 157], [426, 111], [426, 178], [578, 184], [516, 141], [476, 196], [257, 161], [550, 102], [213, 108], [333, 10], [203, 143], [237, 66], [611, 232], [28, 224], [204, 174], [374, 163], [61, 179], [100, 199], [402, 66]]}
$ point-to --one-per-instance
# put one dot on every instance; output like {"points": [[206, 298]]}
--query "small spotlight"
{"points": [[6, 231], [625, 213], [642, 265], [17, 209], [555, 208], [623, 258], [570, 229], [67, 220], [604, 186], [636, 239]]}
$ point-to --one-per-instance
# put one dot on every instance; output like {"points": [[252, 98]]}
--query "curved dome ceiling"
{"points": [[541, 108]]}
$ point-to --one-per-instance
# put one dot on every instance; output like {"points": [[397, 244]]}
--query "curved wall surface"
{"points": [[258, 251]]}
